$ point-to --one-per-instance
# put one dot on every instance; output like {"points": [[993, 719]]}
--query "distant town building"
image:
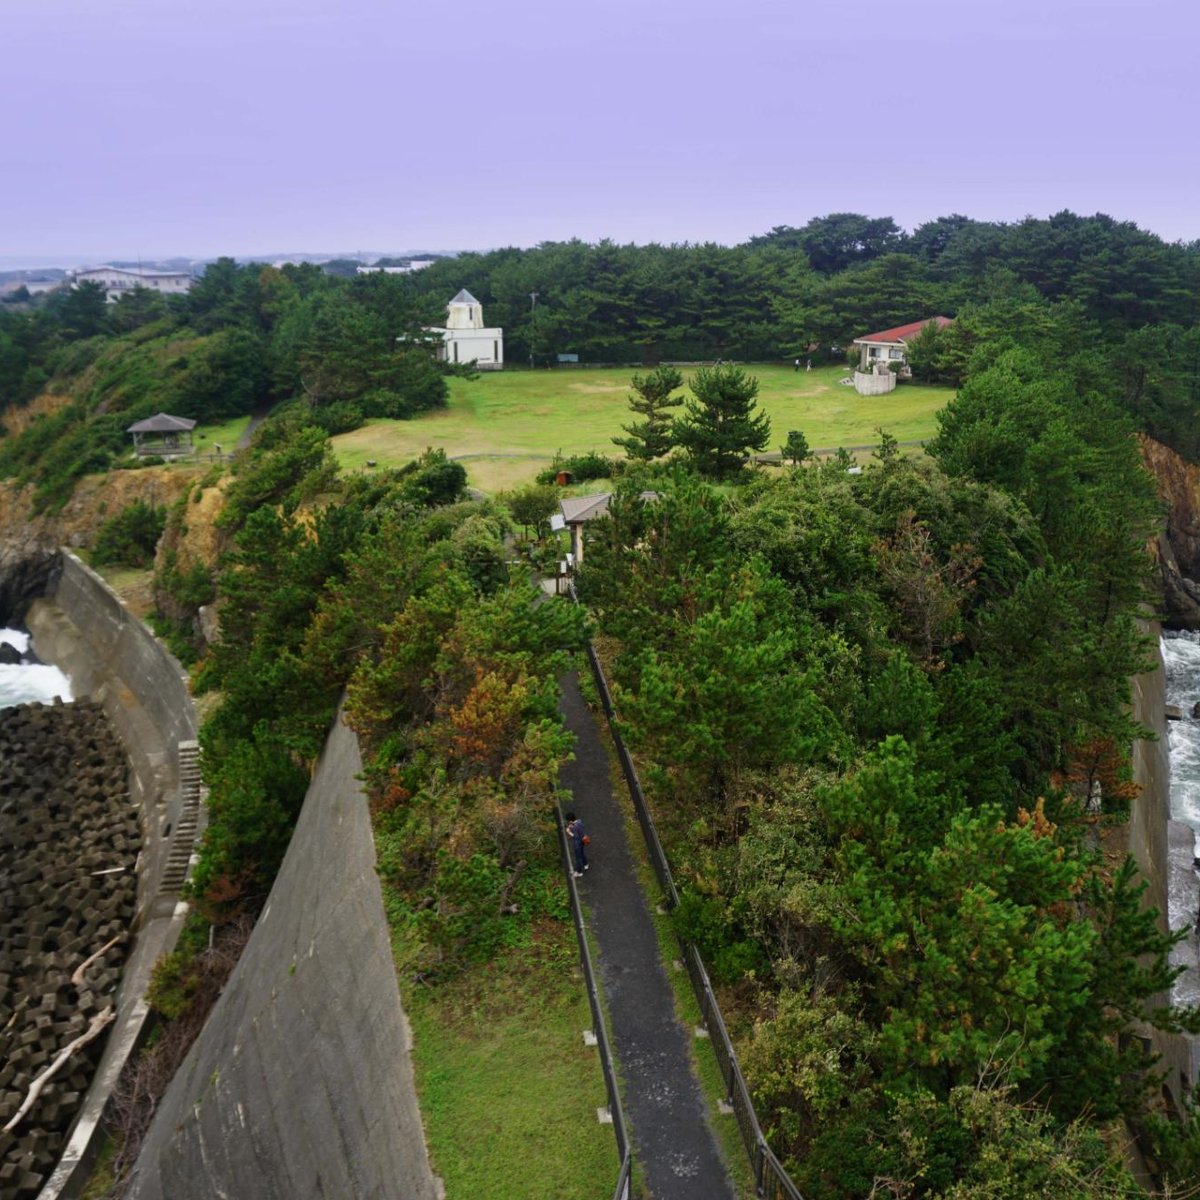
{"points": [[414, 264], [116, 281], [465, 338]]}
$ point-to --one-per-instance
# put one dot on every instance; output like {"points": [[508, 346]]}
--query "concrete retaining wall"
{"points": [[82, 627], [866, 384], [300, 1084], [109, 655], [1163, 849]]}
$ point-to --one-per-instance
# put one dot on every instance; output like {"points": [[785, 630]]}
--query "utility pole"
{"points": [[532, 309]]}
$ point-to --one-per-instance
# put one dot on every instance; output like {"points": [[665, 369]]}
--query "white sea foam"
{"points": [[24, 683], [17, 638], [1181, 658]]}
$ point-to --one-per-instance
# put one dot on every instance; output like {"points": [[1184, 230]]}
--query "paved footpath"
{"points": [[675, 1153]]}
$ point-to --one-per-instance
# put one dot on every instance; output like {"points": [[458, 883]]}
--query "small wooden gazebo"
{"points": [[574, 511], [162, 434]]}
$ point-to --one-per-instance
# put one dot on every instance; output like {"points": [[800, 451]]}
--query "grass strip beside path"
{"points": [[508, 1091]]}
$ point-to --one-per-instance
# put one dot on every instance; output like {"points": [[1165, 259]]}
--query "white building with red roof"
{"points": [[889, 346]]}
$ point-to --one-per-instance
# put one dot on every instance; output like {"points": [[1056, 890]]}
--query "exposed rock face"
{"points": [[1177, 549], [191, 543], [28, 567], [96, 498]]}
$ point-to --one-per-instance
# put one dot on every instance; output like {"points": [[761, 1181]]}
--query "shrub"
{"points": [[583, 467], [433, 480], [706, 922], [339, 417], [129, 539], [255, 798]]}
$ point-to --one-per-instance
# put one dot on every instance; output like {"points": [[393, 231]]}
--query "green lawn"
{"points": [[507, 425], [508, 1090], [208, 437]]}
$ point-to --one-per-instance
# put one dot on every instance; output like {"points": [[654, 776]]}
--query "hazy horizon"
{"points": [[176, 129]]}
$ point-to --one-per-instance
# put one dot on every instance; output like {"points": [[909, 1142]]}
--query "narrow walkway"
{"points": [[257, 417], [675, 1153]]}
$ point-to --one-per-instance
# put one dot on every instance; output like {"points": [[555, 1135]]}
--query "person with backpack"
{"points": [[579, 840]]}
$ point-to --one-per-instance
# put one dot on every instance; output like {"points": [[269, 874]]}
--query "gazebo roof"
{"points": [[577, 509], [162, 423]]}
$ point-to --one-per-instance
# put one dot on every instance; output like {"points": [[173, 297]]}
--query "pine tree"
{"points": [[796, 447], [651, 398], [719, 427]]}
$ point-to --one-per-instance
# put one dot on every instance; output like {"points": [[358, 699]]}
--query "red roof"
{"points": [[903, 332]]}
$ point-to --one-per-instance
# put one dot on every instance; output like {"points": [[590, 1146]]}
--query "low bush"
{"points": [[583, 467], [129, 539]]}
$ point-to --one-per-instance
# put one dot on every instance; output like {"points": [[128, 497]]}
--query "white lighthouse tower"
{"points": [[466, 339]]}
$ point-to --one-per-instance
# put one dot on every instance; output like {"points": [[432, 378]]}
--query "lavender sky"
{"points": [[199, 127]]}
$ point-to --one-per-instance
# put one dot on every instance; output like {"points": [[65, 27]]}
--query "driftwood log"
{"points": [[98, 1024], [77, 977]]}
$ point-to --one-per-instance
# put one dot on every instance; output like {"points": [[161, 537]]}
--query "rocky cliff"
{"points": [[95, 500], [1177, 548]]}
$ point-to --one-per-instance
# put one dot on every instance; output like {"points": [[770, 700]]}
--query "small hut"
{"points": [[162, 434], [575, 511]]}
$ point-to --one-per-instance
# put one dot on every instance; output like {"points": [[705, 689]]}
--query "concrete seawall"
{"points": [[1163, 849], [81, 626], [301, 1083]]}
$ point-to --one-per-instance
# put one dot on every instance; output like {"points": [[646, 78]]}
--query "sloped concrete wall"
{"points": [[300, 1084], [1163, 849]]}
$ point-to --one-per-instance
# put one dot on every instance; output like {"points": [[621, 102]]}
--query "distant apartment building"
{"points": [[116, 281], [415, 264]]}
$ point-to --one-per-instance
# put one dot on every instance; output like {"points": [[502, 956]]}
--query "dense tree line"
{"points": [[397, 588], [821, 285]]}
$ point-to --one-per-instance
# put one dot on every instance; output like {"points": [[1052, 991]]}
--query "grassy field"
{"points": [[206, 439], [226, 435], [507, 426], [508, 1090]]}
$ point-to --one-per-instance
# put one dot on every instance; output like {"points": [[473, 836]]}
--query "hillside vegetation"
{"points": [[883, 716]]}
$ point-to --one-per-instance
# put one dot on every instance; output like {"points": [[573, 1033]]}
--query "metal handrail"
{"points": [[625, 1178], [658, 857], [620, 1132], [770, 1179]]}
